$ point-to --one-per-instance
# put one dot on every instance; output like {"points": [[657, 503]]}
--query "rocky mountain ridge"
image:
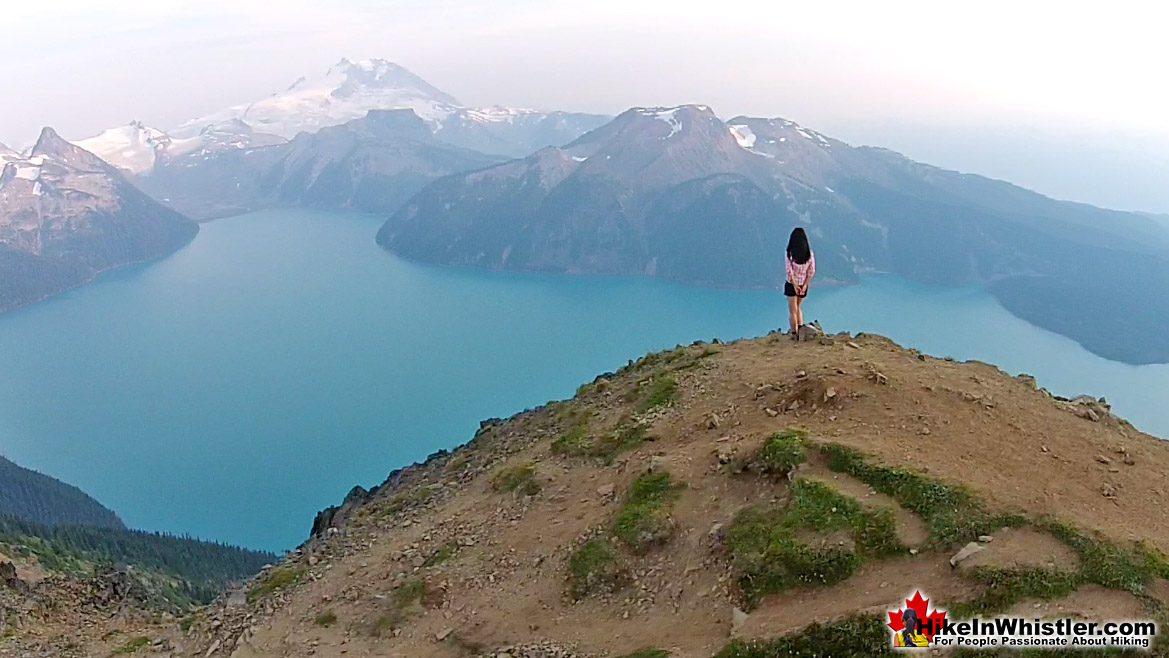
{"points": [[662, 508], [371, 164], [66, 215], [139, 149], [677, 192], [349, 90]]}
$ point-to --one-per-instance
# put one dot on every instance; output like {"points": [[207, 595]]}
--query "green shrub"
{"points": [[520, 479], [595, 568], [644, 518], [648, 652]]}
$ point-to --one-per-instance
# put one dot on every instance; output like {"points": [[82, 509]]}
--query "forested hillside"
{"points": [[30, 495], [198, 570]]}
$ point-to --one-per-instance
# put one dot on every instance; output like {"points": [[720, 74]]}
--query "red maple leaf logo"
{"points": [[920, 606]]}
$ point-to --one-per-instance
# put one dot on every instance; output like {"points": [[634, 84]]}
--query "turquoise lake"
{"points": [[233, 389]]}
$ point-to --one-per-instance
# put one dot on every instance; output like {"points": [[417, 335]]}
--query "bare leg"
{"points": [[793, 313], [799, 311]]}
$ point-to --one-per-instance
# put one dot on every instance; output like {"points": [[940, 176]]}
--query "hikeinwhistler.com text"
{"points": [[1038, 633]]}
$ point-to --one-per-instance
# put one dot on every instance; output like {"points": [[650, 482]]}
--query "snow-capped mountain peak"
{"points": [[133, 147], [356, 77], [348, 90]]}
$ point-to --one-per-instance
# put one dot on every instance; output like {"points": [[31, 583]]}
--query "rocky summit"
{"points": [[765, 497]]}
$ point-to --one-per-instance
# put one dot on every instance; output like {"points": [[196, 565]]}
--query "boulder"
{"points": [[967, 551], [810, 332]]}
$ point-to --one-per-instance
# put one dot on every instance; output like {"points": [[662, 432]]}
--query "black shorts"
{"points": [[790, 290]]}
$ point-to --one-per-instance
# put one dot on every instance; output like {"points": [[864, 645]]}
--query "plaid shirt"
{"points": [[799, 275]]}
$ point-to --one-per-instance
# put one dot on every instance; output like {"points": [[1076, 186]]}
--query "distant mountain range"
{"points": [[372, 164], [677, 192], [138, 149], [66, 215], [673, 192], [348, 91]]}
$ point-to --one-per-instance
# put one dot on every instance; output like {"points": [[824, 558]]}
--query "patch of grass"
{"points": [[403, 500], [626, 436], [595, 568], [779, 455], [575, 440], [1006, 587], [325, 619], [644, 519], [186, 623], [409, 592], [457, 463], [697, 359], [1128, 568], [952, 513], [520, 479], [133, 645], [441, 554], [648, 652], [663, 390], [861, 636], [276, 580], [766, 548], [385, 623]]}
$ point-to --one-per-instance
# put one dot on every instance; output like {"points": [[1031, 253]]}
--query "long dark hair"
{"points": [[909, 618], [797, 246]]}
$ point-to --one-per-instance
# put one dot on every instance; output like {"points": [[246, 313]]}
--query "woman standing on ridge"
{"points": [[800, 264]]}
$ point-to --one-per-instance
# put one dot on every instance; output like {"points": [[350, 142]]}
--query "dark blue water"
{"points": [[235, 388]]}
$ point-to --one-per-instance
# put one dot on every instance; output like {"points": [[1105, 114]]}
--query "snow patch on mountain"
{"points": [[743, 136], [669, 115], [746, 138]]}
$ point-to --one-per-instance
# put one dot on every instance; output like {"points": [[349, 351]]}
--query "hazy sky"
{"points": [[1069, 100]]}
